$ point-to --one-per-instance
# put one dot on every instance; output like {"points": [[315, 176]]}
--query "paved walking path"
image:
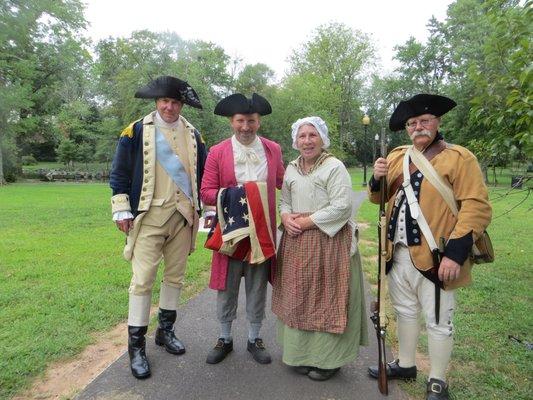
{"points": [[238, 377]]}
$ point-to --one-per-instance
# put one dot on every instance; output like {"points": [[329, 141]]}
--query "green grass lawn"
{"points": [[63, 281], [62, 276], [486, 364]]}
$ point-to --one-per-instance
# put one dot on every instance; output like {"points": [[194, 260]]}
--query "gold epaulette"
{"points": [[128, 131]]}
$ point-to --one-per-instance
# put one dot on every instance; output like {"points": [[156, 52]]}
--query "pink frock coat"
{"points": [[219, 173]]}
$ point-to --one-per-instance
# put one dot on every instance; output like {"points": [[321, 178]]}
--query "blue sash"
{"points": [[171, 163]]}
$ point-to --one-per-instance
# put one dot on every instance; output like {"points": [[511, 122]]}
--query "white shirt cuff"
{"points": [[120, 215]]}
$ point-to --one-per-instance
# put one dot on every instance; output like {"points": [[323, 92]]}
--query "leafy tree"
{"points": [[254, 78], [84, 153], [334, 61], [42, 65], [67, 152]]}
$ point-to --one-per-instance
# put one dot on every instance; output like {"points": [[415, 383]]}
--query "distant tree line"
{"points": [[64, 98]]}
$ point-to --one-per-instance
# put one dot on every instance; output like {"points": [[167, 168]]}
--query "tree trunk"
{"points": [[2, 180]]}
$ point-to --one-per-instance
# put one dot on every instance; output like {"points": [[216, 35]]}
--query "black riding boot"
{"points": [[165, 336], [140, 368]]}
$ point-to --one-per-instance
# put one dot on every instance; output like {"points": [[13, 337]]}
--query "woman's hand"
{"points": [[289, 222], [305, 223], [380, 168]]}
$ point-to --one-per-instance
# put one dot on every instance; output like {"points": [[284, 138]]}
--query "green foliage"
{"points": [[9, 164], [84, 153], [67, 151], [337, 57], [63, 280], [481, 57], [502, 101], [29, 160], [254, 78], [44, 65]]}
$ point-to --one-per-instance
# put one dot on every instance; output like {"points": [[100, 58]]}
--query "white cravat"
{"points": [[162, 124], [249, 161]]}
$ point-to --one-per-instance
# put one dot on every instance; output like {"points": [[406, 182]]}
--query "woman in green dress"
{"points": [[318, 293]]}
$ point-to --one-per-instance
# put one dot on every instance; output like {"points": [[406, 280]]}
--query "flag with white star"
{"points": [[242, 226]]}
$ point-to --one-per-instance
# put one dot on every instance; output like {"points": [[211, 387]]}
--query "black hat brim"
{"points": [[419, 105], [174, 88], [238, 104]]}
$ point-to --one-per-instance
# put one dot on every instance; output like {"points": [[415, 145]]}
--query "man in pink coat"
{"points": [[242, 158]]}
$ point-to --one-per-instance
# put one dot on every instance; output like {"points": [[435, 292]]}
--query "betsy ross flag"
{"points": [[241, 229]]}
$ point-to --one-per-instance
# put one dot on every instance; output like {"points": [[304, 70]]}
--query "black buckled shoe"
{"points": [[259, 352], [219, 352], [140, 368], [164, 335], [319, 374], [437, 390], [394, 371]]}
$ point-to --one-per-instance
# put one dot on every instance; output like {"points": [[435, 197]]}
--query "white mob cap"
{"points": [[318, 123]]}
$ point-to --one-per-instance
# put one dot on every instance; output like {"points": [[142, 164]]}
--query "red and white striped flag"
{"points": [[242, 226]]}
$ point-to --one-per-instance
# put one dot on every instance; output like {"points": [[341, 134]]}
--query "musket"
{"points": [[378, 314]]}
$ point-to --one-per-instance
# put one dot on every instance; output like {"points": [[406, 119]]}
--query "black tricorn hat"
{"points": [[168, 86], [418, 105], [238, 104]]}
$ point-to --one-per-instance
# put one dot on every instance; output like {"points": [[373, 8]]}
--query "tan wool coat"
{"points": [[460, 169]]}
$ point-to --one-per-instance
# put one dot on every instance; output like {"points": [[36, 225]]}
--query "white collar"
{"points": [[163, 124], [255, 145]]}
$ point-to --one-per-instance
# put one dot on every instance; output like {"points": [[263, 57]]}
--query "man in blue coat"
{"points": [[155, 177]]}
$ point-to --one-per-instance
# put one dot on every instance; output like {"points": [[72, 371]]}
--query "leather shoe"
{"points": [[164, 335], [319, 374], [302, 369], [259, 352], [437, 390], [394, 371], [219, 352]]}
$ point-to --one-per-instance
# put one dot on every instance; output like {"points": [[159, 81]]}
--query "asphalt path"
{"points": [[238, 377]]}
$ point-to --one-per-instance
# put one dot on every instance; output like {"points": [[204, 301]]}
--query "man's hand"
{"points": [[448, 270], [289, 222], [125, 225], [380, 168]]}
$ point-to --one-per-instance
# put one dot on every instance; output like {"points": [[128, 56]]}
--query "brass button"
{"points": [[146, 143], [142, 197], [144, 189], [146, 161], [145, 171], [146, 181], [145, 153]]}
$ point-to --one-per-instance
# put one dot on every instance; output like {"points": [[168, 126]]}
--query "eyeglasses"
{"points": [[424, 122]]}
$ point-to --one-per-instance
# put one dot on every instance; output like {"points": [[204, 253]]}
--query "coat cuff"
{"points": [[459, 249], [373, 184], [120, 202]]}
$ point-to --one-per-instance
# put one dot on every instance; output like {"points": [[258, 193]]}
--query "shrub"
{"points": [[29, 160]]}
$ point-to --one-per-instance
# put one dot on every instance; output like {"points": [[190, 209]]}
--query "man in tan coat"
{"points": [[156, 173], [415, 283]]}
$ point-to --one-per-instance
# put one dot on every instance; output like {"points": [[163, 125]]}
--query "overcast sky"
{"points": [[267, 31]]}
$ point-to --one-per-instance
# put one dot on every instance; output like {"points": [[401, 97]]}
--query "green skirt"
{"points": [[330, 350]]}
